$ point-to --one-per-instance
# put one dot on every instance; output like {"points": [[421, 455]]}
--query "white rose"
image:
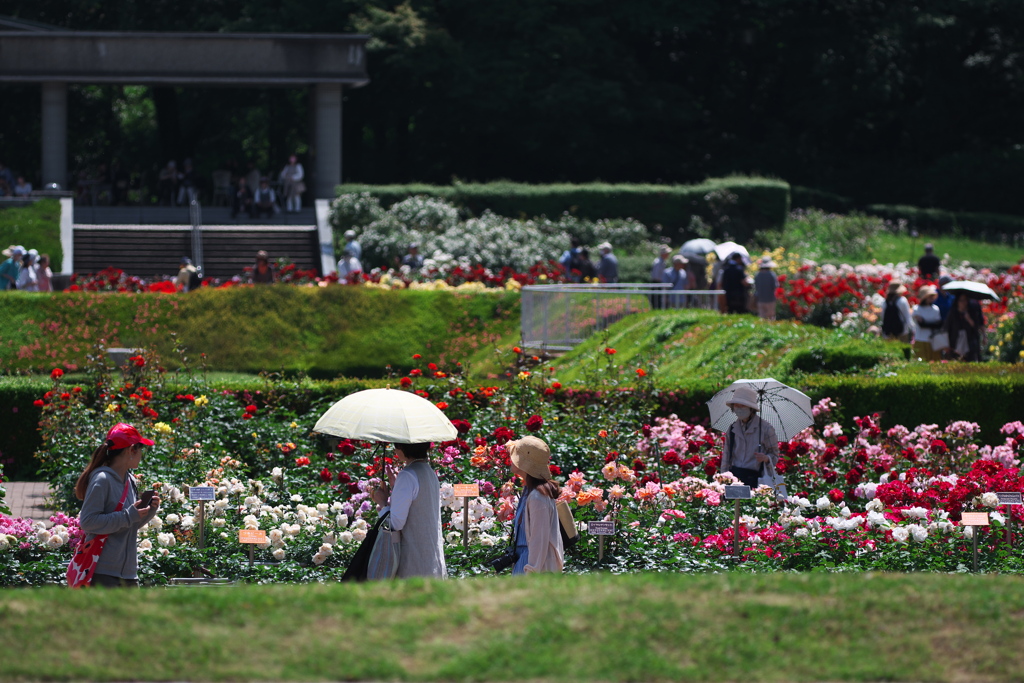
{"points": [[341, 520], [900, 534], [345, 537], [277, 474], [250, 522], [42, 537], [990, 500], [823, 503], [218, 522], [172, 519], [187, 522], [296, 498], [322, 507], [359, 535], [874, 505], [55, 541], [801, 533], [279, 554], [165, 540], [319, 559], [221, 503], [918, 532], [276, 535], [4, 544], [326, 549], [146, 545]]}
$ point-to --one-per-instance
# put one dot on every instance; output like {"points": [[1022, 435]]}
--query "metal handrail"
{"points": [[195, 213], [558, 317]]}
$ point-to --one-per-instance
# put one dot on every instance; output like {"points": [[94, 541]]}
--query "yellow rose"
{"points": [[201, 401]]}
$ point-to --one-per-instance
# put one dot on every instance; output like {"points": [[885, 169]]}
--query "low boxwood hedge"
{"points": [[751, 204]]}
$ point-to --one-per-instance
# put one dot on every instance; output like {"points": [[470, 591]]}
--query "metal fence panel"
{"points": [[558, 317]]}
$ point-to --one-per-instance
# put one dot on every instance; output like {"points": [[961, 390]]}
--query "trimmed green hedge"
{"points": [[19, 419], [325, 332], [760, 203], [983, 226]]}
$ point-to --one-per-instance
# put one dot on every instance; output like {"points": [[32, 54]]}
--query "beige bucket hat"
{"points": [[532, 456], [743, 396]]}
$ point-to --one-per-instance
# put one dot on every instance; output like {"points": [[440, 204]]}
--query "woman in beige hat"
{"points": [[536, 526], [750, 442], [927, 323]]}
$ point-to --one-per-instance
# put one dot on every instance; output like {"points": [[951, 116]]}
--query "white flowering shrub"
{"points": [[490, 240]]}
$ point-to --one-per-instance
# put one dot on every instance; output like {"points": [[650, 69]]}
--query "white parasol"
{"points": [[386, 415]]}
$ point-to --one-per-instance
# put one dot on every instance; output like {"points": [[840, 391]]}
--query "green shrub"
{"points": [[822, 236], [984, 226], [19, 418], [736, 205], [36, 226]]}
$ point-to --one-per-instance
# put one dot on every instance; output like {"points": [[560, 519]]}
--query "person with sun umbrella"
{"points": [[750, 442]]}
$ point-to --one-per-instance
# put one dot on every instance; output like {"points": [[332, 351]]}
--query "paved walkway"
{"points": [[27, 499]]}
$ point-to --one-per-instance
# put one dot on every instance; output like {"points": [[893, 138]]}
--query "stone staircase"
{"points": [[150, 241]]}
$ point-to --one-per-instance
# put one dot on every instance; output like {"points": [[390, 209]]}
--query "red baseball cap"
{"points": [[124, 435]]}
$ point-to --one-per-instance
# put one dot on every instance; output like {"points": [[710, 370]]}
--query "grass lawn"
{"points": [[891, 248], [643, 627]]}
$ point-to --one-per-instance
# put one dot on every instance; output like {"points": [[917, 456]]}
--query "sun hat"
{"points": [[926, 291], [123, 435], [743, 396], [14, 250], [679, 258], [262, 255], [897, 288], [767, 262], [665, 249], [532, 456], [349, 234], [605, 245]]}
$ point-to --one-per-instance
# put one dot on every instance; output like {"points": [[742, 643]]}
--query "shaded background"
{"points": [[886, 102]]}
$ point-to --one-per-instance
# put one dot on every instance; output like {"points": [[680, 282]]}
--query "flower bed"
{"points": [[862, 498]]}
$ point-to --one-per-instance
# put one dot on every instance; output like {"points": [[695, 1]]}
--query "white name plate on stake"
{"points": [[974, 519], [737, 492], [601, 528], [202, 493], [1010, 498]]}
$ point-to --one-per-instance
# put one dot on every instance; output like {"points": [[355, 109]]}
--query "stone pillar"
{"points": [[327, 139], [55, 134]]}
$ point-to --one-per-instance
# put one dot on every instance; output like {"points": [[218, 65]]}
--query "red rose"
{"points": [[405, 381], [462, 425], [57, 373], [432, 366], [346, 447], [39, 403], [251, 409], [516, 349], [302, 461], [610, 351], [640, 372], [441, 405], [415, 372], [555, 470], [344, 478], [503, 435], [671, 457], [836, 496], [556, 385], [534, 423], [325, 475], [416, 356]]}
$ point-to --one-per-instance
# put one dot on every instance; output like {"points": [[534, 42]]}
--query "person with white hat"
{"points": [[11, 268], [750, 442], [352, 244], [928, 323], [28, 278], [608, 266], [680, 280], [658, 275], [765, 284], [538, 540]]}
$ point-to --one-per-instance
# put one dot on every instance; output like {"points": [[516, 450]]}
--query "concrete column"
{"points": [[327, 139], [55, 134]]}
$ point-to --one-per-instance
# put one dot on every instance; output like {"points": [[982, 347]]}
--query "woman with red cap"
{"points": [[111, 506]]}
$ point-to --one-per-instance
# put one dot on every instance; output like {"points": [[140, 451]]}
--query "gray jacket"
{"points": [[120, 553]]}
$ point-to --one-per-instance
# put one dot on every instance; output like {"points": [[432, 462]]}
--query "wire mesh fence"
{"points": [[558, 317]]}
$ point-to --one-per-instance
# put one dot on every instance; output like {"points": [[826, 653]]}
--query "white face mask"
{"points": [[742, 412]]}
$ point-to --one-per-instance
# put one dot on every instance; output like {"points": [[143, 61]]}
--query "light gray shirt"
{"points": [[98, 516], [765, 284], [745, 443]]}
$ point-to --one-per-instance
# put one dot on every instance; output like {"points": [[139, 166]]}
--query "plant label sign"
{"points": [[974, 519], [737, 492], [202, 493], [1010, 498], [252, 536], [601, 528], [466, 490]]}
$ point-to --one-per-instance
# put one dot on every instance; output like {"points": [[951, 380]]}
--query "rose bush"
{"points": [[860, 497]]}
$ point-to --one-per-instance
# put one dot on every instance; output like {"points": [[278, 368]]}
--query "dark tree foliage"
{"points": [[879, 100]]}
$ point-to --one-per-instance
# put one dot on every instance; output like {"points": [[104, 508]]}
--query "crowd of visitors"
{"points": [[943, 325], [27, 270]]}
